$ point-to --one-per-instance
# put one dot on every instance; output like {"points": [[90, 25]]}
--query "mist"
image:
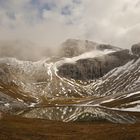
{"points": [[24, 50]]}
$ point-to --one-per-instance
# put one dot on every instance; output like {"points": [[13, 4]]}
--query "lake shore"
{"points": [[18, 128]]}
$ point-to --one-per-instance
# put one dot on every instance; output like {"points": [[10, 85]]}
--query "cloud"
{"points": [[49, 22]]}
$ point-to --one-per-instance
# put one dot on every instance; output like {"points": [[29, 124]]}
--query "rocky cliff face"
{"points": [[92, 67], [136, 49]]}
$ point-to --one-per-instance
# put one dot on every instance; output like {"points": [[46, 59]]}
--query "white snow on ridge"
{"points": [[91, 54], [7, 104], [134, 93], [131, 109], [106, 101]]}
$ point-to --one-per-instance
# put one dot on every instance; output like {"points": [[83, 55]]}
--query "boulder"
{"points": [[136, 49]]}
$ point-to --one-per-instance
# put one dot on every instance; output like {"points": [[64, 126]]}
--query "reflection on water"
{"points": [[79, 113]]}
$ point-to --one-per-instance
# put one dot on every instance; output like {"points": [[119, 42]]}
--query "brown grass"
{"points": [[16, 128]]}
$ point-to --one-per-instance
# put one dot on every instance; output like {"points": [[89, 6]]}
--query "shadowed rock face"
{"points": [[136, 49], [107, 46], [93, 68]]}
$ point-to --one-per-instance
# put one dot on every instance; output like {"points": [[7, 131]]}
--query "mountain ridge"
{"points": [[109, 81]]}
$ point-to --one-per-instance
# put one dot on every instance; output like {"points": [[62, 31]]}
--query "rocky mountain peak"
{"points": [[136, 49], [75, 47]]}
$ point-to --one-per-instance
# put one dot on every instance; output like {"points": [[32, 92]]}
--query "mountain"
{"points": [[136, 49], [90, 60], [86, 81]]}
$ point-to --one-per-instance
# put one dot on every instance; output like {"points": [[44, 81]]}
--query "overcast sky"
{"points": [[50, 22]]}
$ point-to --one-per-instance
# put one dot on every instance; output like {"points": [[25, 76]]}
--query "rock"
{"points": [[75, 47], [136, 49], [107, 47], [93, 68]]}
